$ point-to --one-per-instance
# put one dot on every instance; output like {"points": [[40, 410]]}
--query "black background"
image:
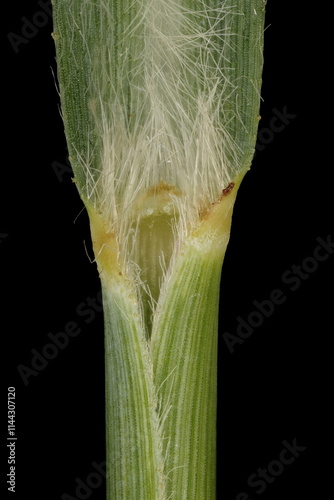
{"points": [[274, 386]]}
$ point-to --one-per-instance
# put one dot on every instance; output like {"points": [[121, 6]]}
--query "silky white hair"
{"points": [[159, 108], [159, 103]]}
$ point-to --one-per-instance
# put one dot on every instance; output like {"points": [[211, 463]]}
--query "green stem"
{"points": [[161, 394], [185, 355], [135, 468], [134, 454], [184, 351]]}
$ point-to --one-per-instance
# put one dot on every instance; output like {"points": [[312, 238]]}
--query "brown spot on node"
{"points": [[224, 192], [228, 189]]}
